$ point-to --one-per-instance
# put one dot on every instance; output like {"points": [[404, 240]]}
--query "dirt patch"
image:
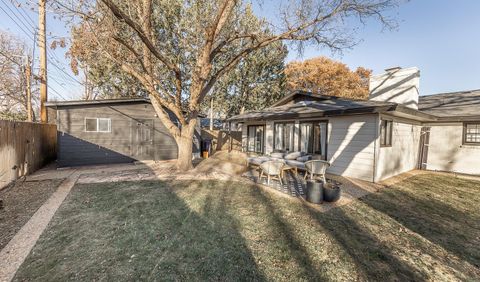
{"points": [[20, 201], [233, 163]]}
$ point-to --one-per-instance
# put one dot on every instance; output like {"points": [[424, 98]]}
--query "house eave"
{"points": [[320, 114], [58, 104]]}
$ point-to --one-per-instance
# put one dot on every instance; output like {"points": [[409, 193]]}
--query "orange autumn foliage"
{"points": [[325, 76]]}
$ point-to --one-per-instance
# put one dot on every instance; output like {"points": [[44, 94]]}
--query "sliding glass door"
{"points": [[255, 139], [284, 137], [313, 138]]}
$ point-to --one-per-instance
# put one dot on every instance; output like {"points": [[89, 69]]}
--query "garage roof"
{"points": [[95, 102]]}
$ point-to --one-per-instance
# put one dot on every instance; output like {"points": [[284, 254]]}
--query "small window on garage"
{"points": [[386, 133], [103, 125], [471, 133], [97, 125], [91, 125]]}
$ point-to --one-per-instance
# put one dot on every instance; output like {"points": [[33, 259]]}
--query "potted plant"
{"points": [[331, 191]]}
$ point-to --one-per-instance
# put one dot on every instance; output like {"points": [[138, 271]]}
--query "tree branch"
{"points": [[119, 14]]}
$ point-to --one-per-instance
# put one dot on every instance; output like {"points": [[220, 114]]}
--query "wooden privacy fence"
{"points": [[24, 148], [223, 140]]}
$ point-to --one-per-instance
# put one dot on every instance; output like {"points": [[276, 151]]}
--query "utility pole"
{"points": [[42, 42], [28, 75]]}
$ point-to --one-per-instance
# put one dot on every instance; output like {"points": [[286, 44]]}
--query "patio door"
{"points": [[142, 139], [313, 138], [284, 136], [423, 149]]}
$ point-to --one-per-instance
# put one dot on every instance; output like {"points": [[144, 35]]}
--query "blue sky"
{"points": [[440, 37]]}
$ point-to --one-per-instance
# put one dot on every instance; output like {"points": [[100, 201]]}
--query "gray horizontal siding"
{"points": [[75, 152], [77, 147]]}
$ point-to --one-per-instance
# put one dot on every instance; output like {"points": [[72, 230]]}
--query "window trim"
{"points": [[464, 134], [98, 123], [275, 133], [263, 137], [391, 133], [299, 145]]}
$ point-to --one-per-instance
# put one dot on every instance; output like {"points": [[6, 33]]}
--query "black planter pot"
{"points": [[331, 192], [314, 191]]}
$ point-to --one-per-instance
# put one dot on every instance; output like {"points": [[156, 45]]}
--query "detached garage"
{"points": [[111, 131]]}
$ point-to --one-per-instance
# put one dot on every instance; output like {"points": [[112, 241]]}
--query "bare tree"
{"points": [[179, 49], [14, 68]]}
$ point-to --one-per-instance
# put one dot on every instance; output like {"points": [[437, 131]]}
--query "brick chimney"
{"points": [[396, 85]]}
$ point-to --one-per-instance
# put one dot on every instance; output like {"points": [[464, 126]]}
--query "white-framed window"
{"points": [[255, 139], [386, 128], [98, 125], [471, 133]]}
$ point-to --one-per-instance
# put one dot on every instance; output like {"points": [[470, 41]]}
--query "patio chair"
{"points": [[316, 167], [272, 169]]}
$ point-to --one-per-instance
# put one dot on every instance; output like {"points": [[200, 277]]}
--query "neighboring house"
{"points": [[218, 124], [112, 131], [393, 132]]}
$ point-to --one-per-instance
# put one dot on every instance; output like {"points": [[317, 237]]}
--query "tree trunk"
{"points": [[185, 144]]}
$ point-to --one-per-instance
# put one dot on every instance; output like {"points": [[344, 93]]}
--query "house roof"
{"points": [[454, 106], [325, 106], [94, 102], [450, 105]]}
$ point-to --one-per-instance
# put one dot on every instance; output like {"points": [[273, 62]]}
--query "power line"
{"points": [[59, 82], [22, 10], [56, 92], [19, 26], [27, 25], [50, 54], [61, 79], [63, 71]]}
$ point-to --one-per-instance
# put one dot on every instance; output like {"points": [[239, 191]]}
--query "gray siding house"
{"points": [[111, 131], [393, 132]]}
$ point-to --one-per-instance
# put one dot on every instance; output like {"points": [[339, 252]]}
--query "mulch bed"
{"points": [[19, 201]]}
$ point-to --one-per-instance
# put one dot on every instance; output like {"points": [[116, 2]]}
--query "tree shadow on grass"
{"points": [[137, 231], [372, 257], [456, 231], [284, 233]]}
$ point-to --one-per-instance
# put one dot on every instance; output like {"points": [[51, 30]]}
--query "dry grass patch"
{"points": [[20, 201], [224, 230]]}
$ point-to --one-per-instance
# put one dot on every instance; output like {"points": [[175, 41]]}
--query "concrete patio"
{"points": [[295, 186]]}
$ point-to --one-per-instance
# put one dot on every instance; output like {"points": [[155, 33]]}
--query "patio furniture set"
{"points": [[275, 166]]}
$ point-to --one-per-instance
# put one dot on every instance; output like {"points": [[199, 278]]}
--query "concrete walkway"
{"points": [[17, 250]]}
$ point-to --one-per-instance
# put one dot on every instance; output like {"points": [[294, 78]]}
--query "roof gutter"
{"points": [[93, 102], [320, 114], [415, 114]]}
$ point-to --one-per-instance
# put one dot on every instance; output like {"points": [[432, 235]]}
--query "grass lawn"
{"points": [[425, 228]]}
